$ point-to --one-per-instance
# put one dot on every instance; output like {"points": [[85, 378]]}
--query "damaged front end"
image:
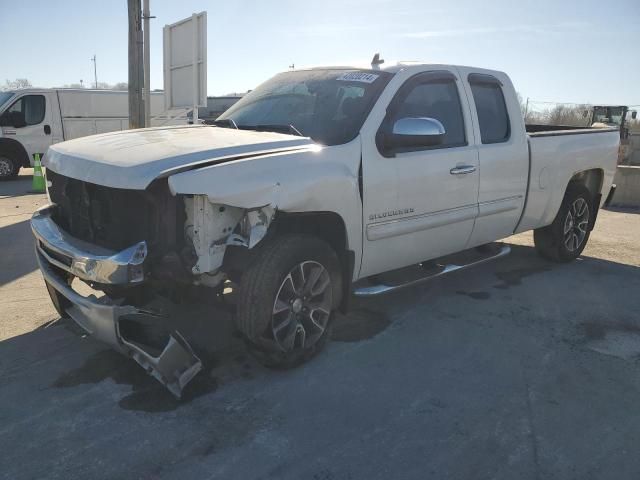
{"points": [[210, 228], [62, 257], [131, 245]]}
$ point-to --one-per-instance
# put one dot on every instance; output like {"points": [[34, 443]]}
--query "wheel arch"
{"points": [[592, 179], [15, 150], [329, 227], [551, 240], [543, 202]]}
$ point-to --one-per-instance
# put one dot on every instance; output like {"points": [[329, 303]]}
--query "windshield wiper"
{"points": [[290, 129], [226, 123]]}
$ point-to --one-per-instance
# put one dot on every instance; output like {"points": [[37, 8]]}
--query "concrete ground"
{"points": [[519, 368]]}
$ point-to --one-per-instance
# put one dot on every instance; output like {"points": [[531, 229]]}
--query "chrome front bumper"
{"points": [[174, 366], [84, 260]]}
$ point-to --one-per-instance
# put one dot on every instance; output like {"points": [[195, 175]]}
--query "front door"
{"points": [[420, 203], [28, 122]]}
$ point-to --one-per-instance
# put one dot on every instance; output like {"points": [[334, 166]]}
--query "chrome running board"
{"points": [[387, 287]]}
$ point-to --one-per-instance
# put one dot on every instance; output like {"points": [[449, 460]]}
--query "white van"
{"points": [[33, 119]]}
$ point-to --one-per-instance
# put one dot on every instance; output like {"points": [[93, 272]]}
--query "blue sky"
{"points": [[586, 51]]}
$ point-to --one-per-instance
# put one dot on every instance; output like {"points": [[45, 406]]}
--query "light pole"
{"points": [[136, 70], [146, 16], [95, 70]]}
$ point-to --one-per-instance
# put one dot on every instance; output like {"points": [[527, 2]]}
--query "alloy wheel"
{"points": [[576, 224], [302, 307]]}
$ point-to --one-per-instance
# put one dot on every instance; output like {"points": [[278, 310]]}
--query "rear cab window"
{"points": [[493, 118]]}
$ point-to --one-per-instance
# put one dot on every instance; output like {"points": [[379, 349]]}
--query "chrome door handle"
{"points": [[462, 170]]}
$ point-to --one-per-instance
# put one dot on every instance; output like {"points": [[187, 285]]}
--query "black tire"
{"points": [[263, 284], [552, 242], [9, 168]]}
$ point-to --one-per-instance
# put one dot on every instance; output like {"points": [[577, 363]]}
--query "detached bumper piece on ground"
{"points": [[124, 327]]}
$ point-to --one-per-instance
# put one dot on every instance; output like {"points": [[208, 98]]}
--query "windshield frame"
{"points": [[372, 92], [4, 100]]}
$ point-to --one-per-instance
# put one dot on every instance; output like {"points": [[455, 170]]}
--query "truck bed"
{"points": [[556, 154], [539, 129]]}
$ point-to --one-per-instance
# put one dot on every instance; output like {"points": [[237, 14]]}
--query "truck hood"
{"points": [[133, 159]]}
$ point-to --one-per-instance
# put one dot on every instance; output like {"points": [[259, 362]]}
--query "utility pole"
{"points": [[136, 73], [95, 71], [526, 110], [146, 16]]}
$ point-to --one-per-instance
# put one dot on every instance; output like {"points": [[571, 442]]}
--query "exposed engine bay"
{"points": [[186, 235], [210, 228]]}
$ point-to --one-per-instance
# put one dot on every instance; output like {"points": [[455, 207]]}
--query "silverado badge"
{"points": [[390, 213]]}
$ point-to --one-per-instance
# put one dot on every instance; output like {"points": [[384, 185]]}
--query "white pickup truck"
{"points": [[305, 193]]}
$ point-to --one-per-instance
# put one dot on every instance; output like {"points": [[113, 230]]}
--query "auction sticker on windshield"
{"points": [[358, 77]]}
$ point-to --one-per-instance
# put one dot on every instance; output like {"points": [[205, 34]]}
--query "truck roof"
{"points": [[398, 67]]}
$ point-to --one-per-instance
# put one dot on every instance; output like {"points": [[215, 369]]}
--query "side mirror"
{"points": [[17, 120], [415, 132], [634, 114]]}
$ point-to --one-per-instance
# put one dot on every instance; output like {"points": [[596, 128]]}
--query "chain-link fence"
{"points": [[570, 114], [554, 113]]}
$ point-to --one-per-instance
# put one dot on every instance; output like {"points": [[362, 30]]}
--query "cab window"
{"points": [[432, 95], [491, 108], [30, 108]]}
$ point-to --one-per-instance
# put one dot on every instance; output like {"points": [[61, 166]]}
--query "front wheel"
{"points": [[8, 167], [565, 239], [286, 299]]}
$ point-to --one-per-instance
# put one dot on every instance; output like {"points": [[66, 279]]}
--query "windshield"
{"points": [[611, 115], [4, 98], [329, 106]]}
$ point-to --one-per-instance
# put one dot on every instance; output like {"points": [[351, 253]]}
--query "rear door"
{"points": [[419, 203], [503, 154]]}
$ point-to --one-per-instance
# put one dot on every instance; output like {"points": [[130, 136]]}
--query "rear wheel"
{"points": [[8, 167], [565, 239], [286, 300]]}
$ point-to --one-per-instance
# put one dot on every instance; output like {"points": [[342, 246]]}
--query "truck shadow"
{"points": [[619, 209], [17, 186], [146, 394], [210, 329], [505, 279], [212, 334], [17, 258]]}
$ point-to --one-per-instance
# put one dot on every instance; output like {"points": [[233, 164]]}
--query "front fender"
{"points": [[322, 179]]}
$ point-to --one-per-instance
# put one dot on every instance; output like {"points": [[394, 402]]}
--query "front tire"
{"points": [[565, 239], [8, 167], [286, 299]]}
